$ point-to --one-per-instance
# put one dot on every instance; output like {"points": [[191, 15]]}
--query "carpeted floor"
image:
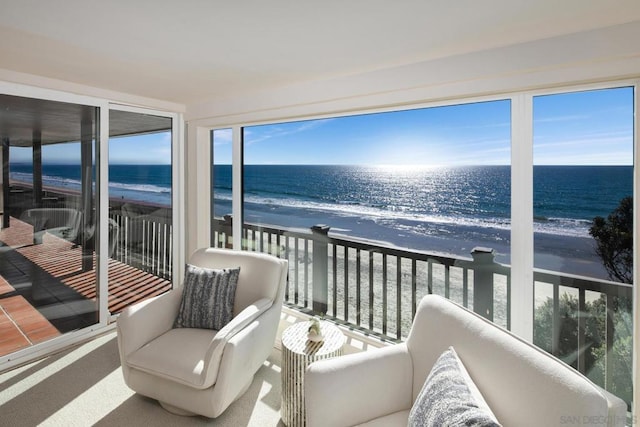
{"points": [[84, 387]]}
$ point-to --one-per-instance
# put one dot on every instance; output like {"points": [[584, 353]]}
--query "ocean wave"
{"points": [[404, 220], [563, 226], [148, 188], [70, 183], [397, 215]]}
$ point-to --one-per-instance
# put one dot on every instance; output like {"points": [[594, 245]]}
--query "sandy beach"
{"points": [[566, 254]]}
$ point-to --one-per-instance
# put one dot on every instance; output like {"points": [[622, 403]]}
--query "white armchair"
{"points": [[61, 222], [202, 371], [522, 384]]}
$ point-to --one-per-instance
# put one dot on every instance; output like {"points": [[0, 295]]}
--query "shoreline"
{"points": [[75, 193], [564, 254]]}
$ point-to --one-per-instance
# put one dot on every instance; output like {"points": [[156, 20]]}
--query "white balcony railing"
{"points": [[375, 288]]}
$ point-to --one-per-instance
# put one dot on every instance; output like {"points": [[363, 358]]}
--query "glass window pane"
{"points": [[374, 211], [221, 210], [140, 208], [48, 274], [583, 220]]}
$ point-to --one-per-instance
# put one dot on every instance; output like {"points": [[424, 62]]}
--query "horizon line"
{"points": [[399, 165]]}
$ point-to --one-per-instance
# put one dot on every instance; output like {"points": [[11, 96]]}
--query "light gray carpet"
{"points": [[84, 387]]}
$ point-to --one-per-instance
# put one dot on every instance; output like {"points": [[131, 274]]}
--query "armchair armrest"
{"points": [[243, 318], [356, 388], [142, 322], [237, 324]]}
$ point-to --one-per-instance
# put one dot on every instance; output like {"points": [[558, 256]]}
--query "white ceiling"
{"points": [[198, 50]]}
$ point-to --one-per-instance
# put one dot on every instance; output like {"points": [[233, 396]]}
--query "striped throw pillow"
{"points": [[207, 298]]}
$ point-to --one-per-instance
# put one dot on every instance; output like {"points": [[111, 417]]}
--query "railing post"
{"points": [[227, 229], [320, 280], [483, 281]]}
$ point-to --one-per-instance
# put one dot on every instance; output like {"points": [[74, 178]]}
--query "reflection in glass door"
{"points": [[48, 278], [140, 207]]}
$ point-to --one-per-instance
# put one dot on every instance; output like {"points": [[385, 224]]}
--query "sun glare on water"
{"points": [[406, 169]]}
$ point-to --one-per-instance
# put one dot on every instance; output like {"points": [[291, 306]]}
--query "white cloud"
{"points": [[222, 136], [276, 131]]}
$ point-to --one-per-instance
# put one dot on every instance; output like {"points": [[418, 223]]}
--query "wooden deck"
{"points": [[44, 292]]}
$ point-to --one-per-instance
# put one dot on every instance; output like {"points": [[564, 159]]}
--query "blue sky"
{"points": [[594, 127], [143, 149]]}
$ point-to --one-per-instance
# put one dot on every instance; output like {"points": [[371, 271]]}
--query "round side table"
{"points": [[298, 353]]}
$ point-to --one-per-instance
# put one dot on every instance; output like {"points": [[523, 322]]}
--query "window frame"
{"points": [[522, 231]]}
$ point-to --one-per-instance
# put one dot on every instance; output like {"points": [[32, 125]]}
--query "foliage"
{"points": [[614, 241], [567, 346], [594, 348]]}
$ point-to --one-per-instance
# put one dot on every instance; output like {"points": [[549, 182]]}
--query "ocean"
{"points": [[143, 183], [566, 198], [452, 208], [445, 210]]}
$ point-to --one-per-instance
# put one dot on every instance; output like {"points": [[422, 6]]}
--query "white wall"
{"points": [[598, 55], [9, 76]]}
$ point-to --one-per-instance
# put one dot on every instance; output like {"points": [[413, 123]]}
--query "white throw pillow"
{"points": [[449, 397]]}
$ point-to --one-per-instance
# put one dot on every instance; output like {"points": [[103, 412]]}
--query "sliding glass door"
{"points": [[48, 274], [83, 234], [140, 225]]}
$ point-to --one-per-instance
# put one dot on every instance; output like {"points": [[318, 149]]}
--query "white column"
{"points": [[103, 215], [236, 173], [522, 216], [198, 189], [636, 257], [179, 197]]}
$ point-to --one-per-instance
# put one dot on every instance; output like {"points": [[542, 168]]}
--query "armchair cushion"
{"points": [[449, 396], [207, 298], [178, 355], [191, 356]]}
